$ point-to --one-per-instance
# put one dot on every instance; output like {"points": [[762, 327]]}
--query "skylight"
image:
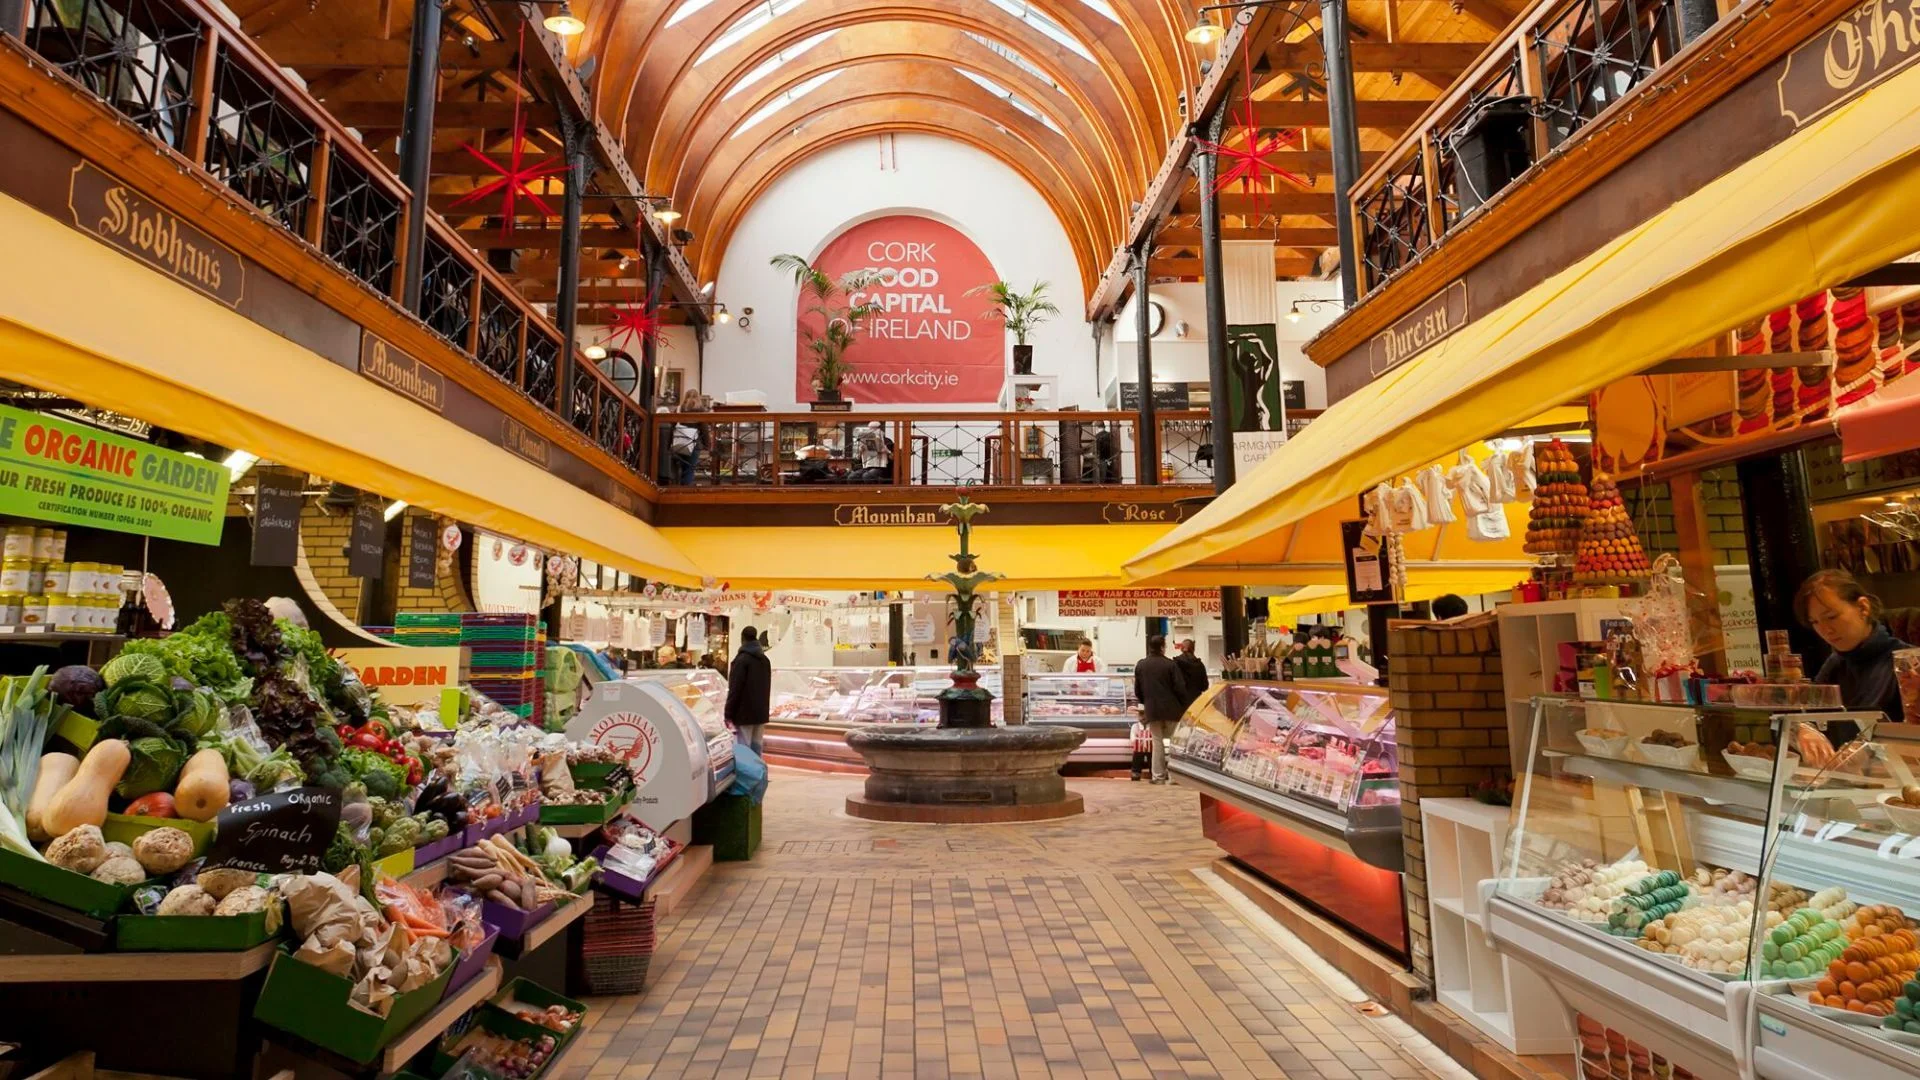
{"points": [[753, 20], [1023, 11], [686, 9], [778, 59], [1103, 8], [1013, 58], [787, 97], [1010, 98]]}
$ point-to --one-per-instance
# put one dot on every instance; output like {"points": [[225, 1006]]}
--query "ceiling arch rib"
{"points": [[874, 85], [863, 119], [872, 43], [674, 87]]}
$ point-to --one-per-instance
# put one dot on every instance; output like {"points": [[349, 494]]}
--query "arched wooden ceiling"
{"points": [[713, 111], [1096, 122]]}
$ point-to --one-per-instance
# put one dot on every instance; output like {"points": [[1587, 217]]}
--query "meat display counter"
{"points": [[1101, 705], [812, 709], [1300, 781]]}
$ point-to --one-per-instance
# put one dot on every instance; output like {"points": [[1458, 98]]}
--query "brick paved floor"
{"points": [[1078, 948]]}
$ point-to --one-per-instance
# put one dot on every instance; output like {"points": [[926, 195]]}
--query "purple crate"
{"points": [[472, 964], [513, 925], [473, 834], [522, 817], [439, 849], [616, 882]]}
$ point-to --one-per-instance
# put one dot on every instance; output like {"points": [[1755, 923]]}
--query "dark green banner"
{"points": [[52, 469], [1254, 390]]}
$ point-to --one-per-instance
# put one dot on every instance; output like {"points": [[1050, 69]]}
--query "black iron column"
{"points": [[656, 277], [1776, 498], [1345, 133], [1233, 604], [567, 296], [416, 144], [1147, 443]]}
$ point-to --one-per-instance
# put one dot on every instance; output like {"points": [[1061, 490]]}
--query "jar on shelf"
{"points": [[33, 612], [10, 609], [43, 543], [16, 575], [59, 580], [36, 578], [63, 613], [18, 542]]}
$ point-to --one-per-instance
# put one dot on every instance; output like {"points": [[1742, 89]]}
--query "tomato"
{"points": [[413, 774], [367, 740], [381, 728]]}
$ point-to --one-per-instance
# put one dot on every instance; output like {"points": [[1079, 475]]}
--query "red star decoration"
{"points": [[636, 324], [516, 176], [1250, 165]]}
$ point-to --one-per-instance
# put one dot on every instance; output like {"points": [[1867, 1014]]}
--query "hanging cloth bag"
{"points": [[1432, 484]]}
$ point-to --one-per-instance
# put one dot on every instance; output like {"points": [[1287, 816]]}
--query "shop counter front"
{"points": [[1684, 876], [812, 709], [1101, 705], [1300, 782]]}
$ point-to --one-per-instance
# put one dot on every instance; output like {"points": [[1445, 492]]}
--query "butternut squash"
{"points": [[202, 790], [55, 770], [83, 799]]}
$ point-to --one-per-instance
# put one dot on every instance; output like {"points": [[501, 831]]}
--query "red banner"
{"points": [[930, 343]]}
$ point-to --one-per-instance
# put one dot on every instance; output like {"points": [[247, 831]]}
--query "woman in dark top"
{"points": [[1849, 619]]}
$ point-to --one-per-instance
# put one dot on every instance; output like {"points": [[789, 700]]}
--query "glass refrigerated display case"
{"points": [[1723, 884], [1101, 705], [812, 709], [816, 695], [1301, 781], [703, 693]]}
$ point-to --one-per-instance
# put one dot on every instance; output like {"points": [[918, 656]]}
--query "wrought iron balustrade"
{"points": [[1556, 70], [183, 73]]}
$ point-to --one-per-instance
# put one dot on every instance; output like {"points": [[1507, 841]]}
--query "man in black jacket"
{"points": [[1193, 670], [1162, 693], [749, 690]]}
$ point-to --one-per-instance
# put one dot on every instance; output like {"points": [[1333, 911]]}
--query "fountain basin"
{"points": [[963, 774]]}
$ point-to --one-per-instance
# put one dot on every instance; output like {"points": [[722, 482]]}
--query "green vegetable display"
{"points": [[137, 699], [403, 835], [156, 764], [203, 659], [135, 665], [198, 711], [385, 779]]}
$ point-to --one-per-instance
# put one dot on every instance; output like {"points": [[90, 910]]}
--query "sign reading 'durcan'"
{"points": [[286, 832], [1435, 320], [276, 517], [928, 342], [367, 542], [58, 470], [105, 207]]}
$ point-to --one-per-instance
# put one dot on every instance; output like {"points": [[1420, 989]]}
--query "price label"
{"points": [[620, 779], [286, 832]]}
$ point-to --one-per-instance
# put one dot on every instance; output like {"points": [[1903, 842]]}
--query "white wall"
{"points": [[938, 178], [1184, 359]]}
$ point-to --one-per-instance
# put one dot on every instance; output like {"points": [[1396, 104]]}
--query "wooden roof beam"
{"points": [[1444, 58], [1390, 116], [1285, 236], [1289, 266], [303, 52], [386, 115]]}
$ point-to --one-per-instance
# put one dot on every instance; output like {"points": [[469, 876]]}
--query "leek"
{"points": [[26, 712]]}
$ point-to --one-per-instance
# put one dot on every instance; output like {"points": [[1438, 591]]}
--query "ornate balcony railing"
{"points": [[179, 71], [730, 449], [1556, 70]]}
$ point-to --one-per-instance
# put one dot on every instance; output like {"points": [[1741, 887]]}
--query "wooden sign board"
{"points": [[408, 675]]}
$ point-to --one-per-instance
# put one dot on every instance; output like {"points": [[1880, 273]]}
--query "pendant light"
{"points": [[1206, 31], [564, 22]]}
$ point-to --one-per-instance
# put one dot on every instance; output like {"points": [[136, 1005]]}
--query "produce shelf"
{"points": [[586, 828], [545, 930], [135, 966], [426, 877], [421, 1035], [15, 635]]}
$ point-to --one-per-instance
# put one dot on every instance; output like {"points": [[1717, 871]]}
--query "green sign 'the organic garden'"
{"points": [[58, 470]]}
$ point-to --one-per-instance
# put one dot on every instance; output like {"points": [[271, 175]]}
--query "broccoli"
{"points": [[383, 777]]}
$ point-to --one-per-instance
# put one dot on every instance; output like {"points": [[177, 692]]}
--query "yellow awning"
{"points": [[1327, 599], [1833, 201], [172, 357], [1042, 557]]}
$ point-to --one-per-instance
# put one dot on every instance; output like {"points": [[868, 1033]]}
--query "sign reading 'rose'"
{"points": [[929, 342]]}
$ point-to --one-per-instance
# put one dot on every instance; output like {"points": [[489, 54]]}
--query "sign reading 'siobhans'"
{"points": [[928, 341]]}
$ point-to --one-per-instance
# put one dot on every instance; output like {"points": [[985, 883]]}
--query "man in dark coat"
{"points": [[1193, 670], [1162, 693], [750, 690]]}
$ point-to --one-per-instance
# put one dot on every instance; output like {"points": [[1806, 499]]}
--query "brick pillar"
{"points": [[1451, 712], [325, 536]]}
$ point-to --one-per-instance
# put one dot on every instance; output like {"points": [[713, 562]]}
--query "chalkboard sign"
{"points": [[1293, 393], [367, 546], [286, 832], [619, 779], [1165, 396], [423, 552], [276, 518]]}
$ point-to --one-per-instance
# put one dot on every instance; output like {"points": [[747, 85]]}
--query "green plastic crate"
{"points": [[493, 1016], [302, 1000], [127, 828], [584, 814], [731, 823], [191, 933], [592, 774], [64, 887]]}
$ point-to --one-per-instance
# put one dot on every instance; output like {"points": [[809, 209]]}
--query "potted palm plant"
{"points": [[839, 320], [1022, 312]]}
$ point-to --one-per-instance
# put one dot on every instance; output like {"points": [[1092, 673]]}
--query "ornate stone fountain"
{"points": [[964, 769]]}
